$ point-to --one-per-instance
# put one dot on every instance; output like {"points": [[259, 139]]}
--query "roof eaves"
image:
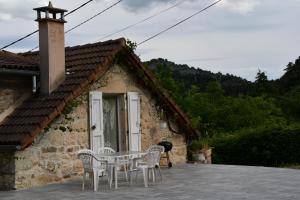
{"points": [[19, 72]]}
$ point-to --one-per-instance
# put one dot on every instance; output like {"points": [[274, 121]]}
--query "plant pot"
{"points": [[207, 154], [198, 156], [202, 156]]}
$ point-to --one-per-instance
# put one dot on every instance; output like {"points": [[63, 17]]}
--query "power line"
{"points": [[85, 21], [82, 5], [99, 13], [143, 20], [22, 38], [30, 34], [165, 30]]}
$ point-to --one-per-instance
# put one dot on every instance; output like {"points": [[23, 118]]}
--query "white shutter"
{"points": [[133, 102], [96, 120]]}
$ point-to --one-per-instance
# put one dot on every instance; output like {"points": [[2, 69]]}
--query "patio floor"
{"points": [[190, 181]]}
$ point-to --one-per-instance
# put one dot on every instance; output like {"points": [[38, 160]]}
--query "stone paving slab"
{"points": [[190, 181]]}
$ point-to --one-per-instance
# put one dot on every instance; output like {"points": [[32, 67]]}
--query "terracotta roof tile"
{"points": [[83, 64], [17, 62]]}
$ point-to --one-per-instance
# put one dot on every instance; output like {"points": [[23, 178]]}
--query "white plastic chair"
{"points": [[150, 165], [153, 148], [161, 149], [156, 147], [115, 164], [87, 158]]}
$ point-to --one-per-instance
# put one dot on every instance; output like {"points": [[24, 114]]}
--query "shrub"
{"points": [[197, 145], [269, 146]]}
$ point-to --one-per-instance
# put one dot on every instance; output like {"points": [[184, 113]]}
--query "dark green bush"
{"points": [[271, 146]]}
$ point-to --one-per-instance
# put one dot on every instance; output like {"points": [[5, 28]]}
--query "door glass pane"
{"points": [[110, 119]]}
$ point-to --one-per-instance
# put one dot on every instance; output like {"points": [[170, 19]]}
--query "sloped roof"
{"points": [[10, 60], [84, 64]]}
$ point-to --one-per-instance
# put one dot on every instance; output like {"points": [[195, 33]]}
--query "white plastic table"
{"points": [[120, 156]]}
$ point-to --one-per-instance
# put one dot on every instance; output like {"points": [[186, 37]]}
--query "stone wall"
{"points": [[52, 156], [120, 81], [7, 171]]}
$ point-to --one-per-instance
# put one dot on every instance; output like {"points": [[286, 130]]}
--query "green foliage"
{"points": [[73, 104], [266, 146], [261, 83], [291, 104], [215, 112], [197, 145], [131, 45], [62, 128], [249, 129], [164, 74], [291, 78], [188, 76]]}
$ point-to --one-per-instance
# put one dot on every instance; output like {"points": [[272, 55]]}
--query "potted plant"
{"points": [[201, 151]]}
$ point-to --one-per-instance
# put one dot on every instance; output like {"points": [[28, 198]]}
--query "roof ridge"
{"points": [[121, 41], [18, 56]]}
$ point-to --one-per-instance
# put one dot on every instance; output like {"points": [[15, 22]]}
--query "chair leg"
{"points": [[159, 174], [136, 173], [130, 177], [91, 179], [107, 174], [111, 176], [125, 171], [145, 173], [95, 176], [153, 175], [83, 180]]}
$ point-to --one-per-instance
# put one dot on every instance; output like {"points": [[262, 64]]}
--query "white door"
{"points": [[96, 120], [133, 106]]}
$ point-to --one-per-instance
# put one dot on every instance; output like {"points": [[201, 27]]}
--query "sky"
{"points": [[238, 37]]}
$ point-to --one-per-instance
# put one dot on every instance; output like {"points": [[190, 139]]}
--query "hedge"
{"points": [[261, 147]]}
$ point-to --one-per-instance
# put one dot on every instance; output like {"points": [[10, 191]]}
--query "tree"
{"points": [[261, 83], [291, 78]]}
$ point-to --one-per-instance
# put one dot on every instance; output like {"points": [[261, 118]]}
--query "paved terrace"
{"points": [[205, 182]]}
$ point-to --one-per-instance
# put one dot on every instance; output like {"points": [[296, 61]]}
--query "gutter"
{"points": [[31, 73], [19, 72]]}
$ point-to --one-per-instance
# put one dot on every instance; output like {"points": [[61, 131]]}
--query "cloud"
{"points": [[136, 6], [19, 9], [241, 6]]}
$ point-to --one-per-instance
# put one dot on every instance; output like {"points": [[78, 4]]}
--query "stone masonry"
{"points": [[53, 155], [7, 170]]}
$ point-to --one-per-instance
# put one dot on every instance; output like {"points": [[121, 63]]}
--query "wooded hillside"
{"points": [[229, 110]]}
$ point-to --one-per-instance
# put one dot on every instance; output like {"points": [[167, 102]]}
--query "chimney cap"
{"points": [[50, 9]]}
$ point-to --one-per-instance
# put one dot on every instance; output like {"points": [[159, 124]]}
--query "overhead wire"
{"points": [[180, 22], [32, 33], [99, 13], [16, 41], [82, 5], [87, 20], [143, 20]]}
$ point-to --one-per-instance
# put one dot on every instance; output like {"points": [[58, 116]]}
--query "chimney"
{"points": [[52, 47]]}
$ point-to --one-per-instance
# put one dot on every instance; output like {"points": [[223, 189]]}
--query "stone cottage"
{"points": [[59, 100]]}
